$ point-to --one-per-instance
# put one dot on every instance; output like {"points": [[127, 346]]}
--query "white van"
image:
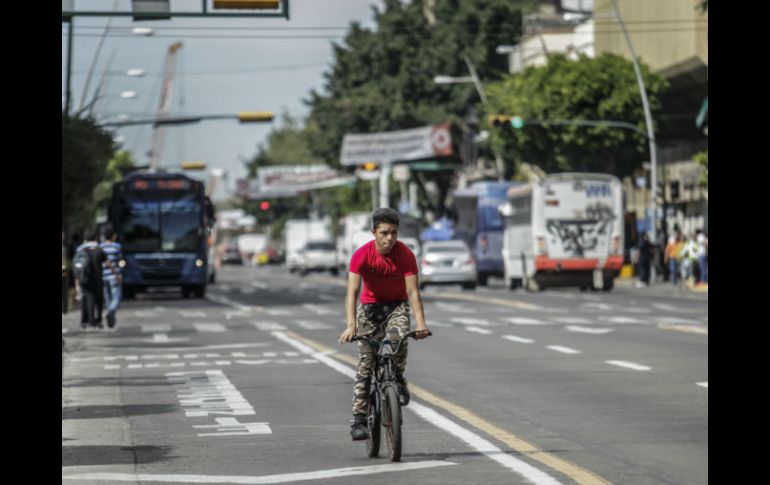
{"points": [[566, 230], [298, 232]]}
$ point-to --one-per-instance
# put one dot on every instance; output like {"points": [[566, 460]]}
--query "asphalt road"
{"points": [[249, 386]]}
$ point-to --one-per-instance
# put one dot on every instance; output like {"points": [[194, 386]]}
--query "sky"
{"points": [[225, 65]]}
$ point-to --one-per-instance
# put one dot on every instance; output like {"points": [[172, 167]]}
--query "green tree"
{"points": [[382, 79], [702, 159], [86, 150], [112, 174], [601, 88]]}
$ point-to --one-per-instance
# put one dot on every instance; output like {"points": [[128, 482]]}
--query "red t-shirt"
{"points": [[383, 274]]}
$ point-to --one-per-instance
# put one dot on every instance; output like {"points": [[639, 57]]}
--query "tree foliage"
{"points": [[601, 88], [382, 80], [86, 150], [112, 174]]}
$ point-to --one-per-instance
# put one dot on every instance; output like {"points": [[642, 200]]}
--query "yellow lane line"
{"points": [[573, 471], [684, 328]]}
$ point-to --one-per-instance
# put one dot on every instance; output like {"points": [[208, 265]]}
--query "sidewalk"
{"points": [[631, 283]]}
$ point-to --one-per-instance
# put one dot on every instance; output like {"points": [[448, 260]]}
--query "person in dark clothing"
{"points": [[645, 259], [89, 259]]}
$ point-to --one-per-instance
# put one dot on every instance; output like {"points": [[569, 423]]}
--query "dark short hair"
{"points": [[109, 233], [92, 235], [384, 216]]}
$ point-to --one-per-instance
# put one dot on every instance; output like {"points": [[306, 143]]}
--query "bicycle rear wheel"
{"points": [[391, 420], [373, 425]]}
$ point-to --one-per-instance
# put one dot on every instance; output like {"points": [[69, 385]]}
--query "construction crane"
{"points": [[164, 106]]}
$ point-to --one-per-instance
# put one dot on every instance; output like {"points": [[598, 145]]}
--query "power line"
{"points": [[302, 37]]}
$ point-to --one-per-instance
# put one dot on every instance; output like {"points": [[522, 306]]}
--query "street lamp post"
{"points": [[473, 78], [650, 133]]}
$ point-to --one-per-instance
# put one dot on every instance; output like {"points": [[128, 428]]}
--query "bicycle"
{"points": [[384, 404]]}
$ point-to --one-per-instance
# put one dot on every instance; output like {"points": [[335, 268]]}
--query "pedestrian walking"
{"points": [[112, 281], [645, 260], [688, 254], [703, 257], [671, 257], [89, 284]]}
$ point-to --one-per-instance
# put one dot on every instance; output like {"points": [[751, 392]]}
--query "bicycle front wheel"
{"points": [[373, 425], [391, 420]]}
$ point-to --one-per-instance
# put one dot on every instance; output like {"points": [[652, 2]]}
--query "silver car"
{"points": [[447, 262]]}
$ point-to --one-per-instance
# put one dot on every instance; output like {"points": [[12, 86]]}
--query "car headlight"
{"points": [[199, 262]]}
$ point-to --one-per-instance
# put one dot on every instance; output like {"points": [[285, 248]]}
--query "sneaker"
{"points": [[403, 390], [358, 429], [110, 320]]}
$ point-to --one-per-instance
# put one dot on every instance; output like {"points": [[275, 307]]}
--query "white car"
{"points": [[318, 256], [447, 262]]}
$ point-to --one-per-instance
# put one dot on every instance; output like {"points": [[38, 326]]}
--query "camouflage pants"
{"points": [[399, 318]]}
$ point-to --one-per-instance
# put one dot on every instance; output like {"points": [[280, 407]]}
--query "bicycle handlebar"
{"points": [[378, 342]]}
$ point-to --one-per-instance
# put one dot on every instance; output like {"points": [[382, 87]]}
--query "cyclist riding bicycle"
{"points": [[389, 271]]}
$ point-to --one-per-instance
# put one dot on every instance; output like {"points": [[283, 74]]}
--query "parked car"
{"points": [[447, 262], [318, 256], [231, 254]]}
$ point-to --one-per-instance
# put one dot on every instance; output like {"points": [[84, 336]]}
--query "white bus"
{"points": [[565, 230]]}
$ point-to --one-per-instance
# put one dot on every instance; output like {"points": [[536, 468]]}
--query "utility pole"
{"points": [[650, 134]]}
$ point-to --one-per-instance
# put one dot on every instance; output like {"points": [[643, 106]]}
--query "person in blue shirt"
{"points": [[112, 280]]}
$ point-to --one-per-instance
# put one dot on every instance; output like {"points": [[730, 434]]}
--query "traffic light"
{"points": [[370, 166], [255, 116], [197, 165], [264, 205], [247, 4], [503, 120], [499, 120]]}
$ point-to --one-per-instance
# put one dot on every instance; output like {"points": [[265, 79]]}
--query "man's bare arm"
{"points": [[413, 291], [354, 283]]}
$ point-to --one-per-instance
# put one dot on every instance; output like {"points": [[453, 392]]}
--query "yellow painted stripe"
{"points": [[684, 328], [573, 471]]}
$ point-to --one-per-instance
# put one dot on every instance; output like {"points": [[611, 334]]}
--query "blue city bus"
{"points": [[163, 221], [480, 225]]}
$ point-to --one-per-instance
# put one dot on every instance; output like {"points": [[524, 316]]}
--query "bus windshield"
{"points": [[170, 225]]}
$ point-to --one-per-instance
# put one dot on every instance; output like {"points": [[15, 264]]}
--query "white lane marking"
{"points": [[525, 321], [278, 312], [673, 308], [160, 337], [259, 284], [440, 324], [261, 480], [223, 300], [230, 315], [156, 327], [703, 384], [192, 313], [471, 321], [335, 299], [599, 306], [594, 331], [145, 313], [453, 307], [268, 326], [312, 325], [628, 365], [247, 291], [209, 327], [622, 320], [676, 321], [482, 331], [685, 328], [578, 320], [318, 309], [475, 441], [204, 347], [637, 310], [231, 427], [521, 340], [563, 350]]}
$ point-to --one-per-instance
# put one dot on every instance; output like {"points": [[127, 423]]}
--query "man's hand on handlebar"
{"points": [[347, 335], [421, 333]]}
